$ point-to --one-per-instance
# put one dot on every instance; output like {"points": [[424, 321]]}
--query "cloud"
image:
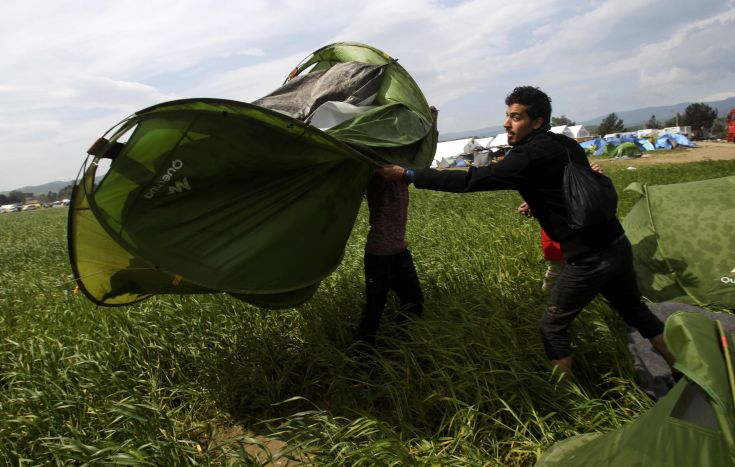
{"points": [[248, 83], [83, 66], [720, 96]]}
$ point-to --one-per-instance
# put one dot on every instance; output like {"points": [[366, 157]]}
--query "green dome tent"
{"points": [[693, 425], [683, 242], [626, 149], [211, 195]]}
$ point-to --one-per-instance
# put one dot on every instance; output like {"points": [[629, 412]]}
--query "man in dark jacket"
{"points": [[599, 258]]}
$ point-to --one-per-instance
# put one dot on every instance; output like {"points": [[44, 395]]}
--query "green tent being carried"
{"points": [[684, 242], [256, 200], [693, 425]]}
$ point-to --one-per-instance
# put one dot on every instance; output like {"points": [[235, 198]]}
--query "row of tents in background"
{"points": [[481, 151]]}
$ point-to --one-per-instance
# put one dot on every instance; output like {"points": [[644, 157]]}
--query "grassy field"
{"points": [[209, 380]]}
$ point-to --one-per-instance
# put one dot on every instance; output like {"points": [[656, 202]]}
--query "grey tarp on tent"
{"points": [[212, 195], [352, 82], [693, 425], [683, 242]]}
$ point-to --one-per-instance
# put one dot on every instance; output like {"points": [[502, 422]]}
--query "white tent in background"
{"points": [[446, 149], [472, 146], [646, 132], [500, 140], [484, 141], [561, 130], [579, 131]]}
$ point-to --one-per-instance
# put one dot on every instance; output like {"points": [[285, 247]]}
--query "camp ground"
{"points": [[630, 144], [633, 143], [286, 176], [464, 152]]}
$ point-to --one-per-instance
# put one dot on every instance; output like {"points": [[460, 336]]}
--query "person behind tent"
{"points": [[388, 262], [599, 258], [553, 255]]}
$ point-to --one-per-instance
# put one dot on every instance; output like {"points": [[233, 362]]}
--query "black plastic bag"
{"points": [[590, 197]]}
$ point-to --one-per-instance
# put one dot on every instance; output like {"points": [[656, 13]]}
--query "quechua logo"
{"points": [[728, 280], [167, 179]]}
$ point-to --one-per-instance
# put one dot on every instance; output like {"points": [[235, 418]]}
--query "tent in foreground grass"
{"points": [[694, 424], [256, 200], [683, 242], [652, 372]]}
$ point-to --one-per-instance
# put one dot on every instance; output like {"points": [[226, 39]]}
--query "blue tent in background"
{"points": [[645, 144], [629, 138], [614, 140], [665, 142], [682, 140], [671, 140], [598, 144], [601, 146], [609, 145]]}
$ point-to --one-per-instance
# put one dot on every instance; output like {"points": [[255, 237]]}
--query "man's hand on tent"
{"points": [[391, 172], [525, 210], [394, 172]]}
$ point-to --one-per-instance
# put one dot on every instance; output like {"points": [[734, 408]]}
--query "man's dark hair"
{"points": [[537, 103]]}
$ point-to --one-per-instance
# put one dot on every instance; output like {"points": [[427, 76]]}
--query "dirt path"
{"points": [[706, 150]]}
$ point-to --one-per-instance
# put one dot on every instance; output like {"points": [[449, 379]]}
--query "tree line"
{"points": [[700, 117], [18, 197]]}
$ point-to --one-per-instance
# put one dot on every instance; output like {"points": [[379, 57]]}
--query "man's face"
{"points": [[518, 123]]}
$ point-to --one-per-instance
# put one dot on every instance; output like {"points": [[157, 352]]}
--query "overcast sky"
{"points": [[70, 70]]}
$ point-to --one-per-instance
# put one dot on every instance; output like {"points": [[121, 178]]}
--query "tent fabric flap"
{"points": [[683, 246]]}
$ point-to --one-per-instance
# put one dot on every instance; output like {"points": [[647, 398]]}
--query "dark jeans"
{"points": [[610, 273], [383, 273]]}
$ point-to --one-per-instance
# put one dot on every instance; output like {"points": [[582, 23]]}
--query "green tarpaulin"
{"points": [[683, 238], [210, 195], [626, 149], [693, 425]]}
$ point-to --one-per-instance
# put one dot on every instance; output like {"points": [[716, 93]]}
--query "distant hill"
{"points": [[54, 187], [630, 118], [664, 112], [479, 133]]}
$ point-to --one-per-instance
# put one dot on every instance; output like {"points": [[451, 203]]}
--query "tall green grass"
{"points": [[209, 380]]}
